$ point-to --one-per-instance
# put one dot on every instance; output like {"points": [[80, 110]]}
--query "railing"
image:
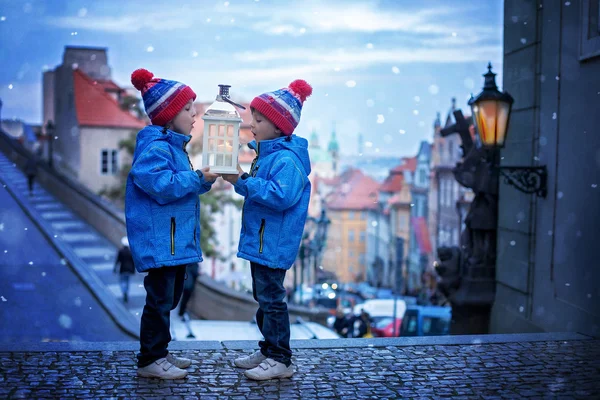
{"points": [[103, 216]]}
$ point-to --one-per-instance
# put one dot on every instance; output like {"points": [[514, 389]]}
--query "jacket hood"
{"points": [[153, 133], [296, 144]]}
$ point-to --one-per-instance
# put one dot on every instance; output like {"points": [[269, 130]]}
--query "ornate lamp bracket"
{"points": [[528, 180]]}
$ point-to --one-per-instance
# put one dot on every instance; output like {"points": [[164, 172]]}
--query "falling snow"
{"points": [[396, 70], [380, 119], [351, 84], [65, 321]]}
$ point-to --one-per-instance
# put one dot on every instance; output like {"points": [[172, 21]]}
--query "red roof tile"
{"points": [[109, 85], [408, 164], [422, 234], [355, 191], [95, 107], [393, 183]]}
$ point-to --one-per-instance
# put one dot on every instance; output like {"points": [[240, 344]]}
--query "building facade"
{"points": [[348, 208], [84, 104], [547, 270], [419, 242]]}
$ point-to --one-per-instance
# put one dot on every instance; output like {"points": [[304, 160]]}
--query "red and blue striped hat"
{"points": [[163, 99], [283, 107]]}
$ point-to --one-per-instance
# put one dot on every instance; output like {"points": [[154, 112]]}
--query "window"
{"points": [[109, 162], [351, 235], [589, 46], [422, 177], [351, 215], [362, 237]]}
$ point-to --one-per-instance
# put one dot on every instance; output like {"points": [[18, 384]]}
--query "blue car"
{"points": [[426, 321]]}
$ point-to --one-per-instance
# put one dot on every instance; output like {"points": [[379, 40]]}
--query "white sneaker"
{"points": [[270, 369], [161, 369], [251, 361], [179, 362]]}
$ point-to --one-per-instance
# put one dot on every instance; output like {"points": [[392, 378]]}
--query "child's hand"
{"points": [[209, 176], [233, 178]]}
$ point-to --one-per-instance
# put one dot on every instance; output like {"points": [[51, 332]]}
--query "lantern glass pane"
{"points": [[503, 111], [230, 131], [212, 145], [229, 146], [211, 159], [486, 116], [221, 146], [219, 162], [221, 130], [212, 130], [229, 160]]}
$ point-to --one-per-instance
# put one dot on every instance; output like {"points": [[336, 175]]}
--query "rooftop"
{"points": [[95, 107]]}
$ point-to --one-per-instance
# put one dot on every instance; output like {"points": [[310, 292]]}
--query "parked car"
{"points": [[426, 321], [381, 312], [384, 327]]}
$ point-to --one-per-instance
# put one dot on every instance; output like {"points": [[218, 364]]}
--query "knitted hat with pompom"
{"points": [[163, 99], [283, 107]]}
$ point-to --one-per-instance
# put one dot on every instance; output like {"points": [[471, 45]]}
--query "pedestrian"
{"points": [[340, 324], [192, 272], [276, 192], [31, 172], [124, 267], [162, 211], [363, 325]]}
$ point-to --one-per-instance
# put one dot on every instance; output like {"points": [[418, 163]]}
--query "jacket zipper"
{"points": [[172, 236], [261, 233], [255, 158], [251, 169], [188, 156]]}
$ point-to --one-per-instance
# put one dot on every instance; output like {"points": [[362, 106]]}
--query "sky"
{"points": [[380, 68]]}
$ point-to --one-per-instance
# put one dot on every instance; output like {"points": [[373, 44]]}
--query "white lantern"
{"points": [[221, 134]]}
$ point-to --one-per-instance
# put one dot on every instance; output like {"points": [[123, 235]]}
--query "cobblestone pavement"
{"points": [[556, 369]]}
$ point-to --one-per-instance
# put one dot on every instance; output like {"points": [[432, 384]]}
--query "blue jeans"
{"points": [[163, 291], [124, 282], [272, 316]]}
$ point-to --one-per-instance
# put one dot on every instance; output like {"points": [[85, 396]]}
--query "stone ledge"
{"points": [[458, 340]]}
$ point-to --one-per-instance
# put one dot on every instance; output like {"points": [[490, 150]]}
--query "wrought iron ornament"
{"points": [[526, 179]]}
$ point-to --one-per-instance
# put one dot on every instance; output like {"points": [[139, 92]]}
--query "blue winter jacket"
{"points": [[162, 207], [277, 194]]}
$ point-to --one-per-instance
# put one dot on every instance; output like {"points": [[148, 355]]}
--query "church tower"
{"points": [[333, 148]]}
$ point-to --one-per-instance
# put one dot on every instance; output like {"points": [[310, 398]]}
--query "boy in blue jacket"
{"points": [[277, 193], [162, 211]]}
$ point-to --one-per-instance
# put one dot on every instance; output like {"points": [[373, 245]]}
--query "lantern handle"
{"points": [[233, 103]]}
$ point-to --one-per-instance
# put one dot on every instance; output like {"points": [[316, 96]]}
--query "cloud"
{"points": [[281, 18], [360, 58]]}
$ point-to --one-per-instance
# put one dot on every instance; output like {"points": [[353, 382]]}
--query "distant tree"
{"points": [[132, 103]]}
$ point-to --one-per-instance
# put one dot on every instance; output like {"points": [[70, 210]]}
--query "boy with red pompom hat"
{"points": [[162, 212], [277, 193]]}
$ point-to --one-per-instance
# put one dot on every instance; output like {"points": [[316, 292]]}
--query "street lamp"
{"points": [[319, 240], [50, 138], [491, 110], [491, 113]]}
